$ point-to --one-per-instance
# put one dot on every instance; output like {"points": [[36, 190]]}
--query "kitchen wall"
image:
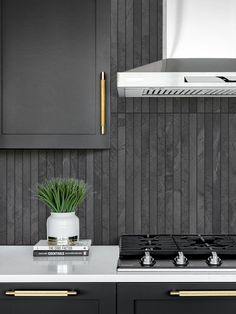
{"points": [[171, 166]]}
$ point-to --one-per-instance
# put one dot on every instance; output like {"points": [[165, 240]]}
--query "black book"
{"points": [[60, 253]]}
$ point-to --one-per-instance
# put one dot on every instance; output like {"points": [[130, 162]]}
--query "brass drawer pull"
{"points": [[102, 102], [41, 293], [204, 293]]}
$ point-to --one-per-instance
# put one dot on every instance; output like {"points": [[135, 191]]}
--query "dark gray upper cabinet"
{"points": [[53, 52]]}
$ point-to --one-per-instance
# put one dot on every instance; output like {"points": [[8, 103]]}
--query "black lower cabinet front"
{"points": [[120, 298], [95, 298], [156, 298]]}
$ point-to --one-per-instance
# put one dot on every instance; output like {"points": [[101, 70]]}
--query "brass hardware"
{"points": [[102, 102], [41, 293], [223, 293]]}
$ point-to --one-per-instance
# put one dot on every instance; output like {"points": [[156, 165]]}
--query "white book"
{"points": [[82, 245]]}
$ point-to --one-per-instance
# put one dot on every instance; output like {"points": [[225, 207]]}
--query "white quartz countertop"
{"points": [[17, 264]]}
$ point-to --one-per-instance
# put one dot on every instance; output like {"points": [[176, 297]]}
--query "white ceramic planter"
{"points": [[63, 229]]}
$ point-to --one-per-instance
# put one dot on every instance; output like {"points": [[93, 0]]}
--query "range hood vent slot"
{"points": [[154, 92]]}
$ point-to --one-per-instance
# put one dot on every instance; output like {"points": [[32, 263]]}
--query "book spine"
{"points": [[60, 253], [51, 248]]}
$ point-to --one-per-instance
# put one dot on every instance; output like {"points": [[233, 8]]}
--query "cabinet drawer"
{"points": [[51, 298], [153, 298]]}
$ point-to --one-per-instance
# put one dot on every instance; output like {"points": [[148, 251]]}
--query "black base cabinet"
{"points": [[94, 298], [153, 298], [120, 298]]}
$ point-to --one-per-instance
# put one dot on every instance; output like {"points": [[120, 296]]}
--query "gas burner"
{"points": [[214, 260], [147, 259], [180, 260], [148, 238], [148, 243], [168, 246], [141, 252]]}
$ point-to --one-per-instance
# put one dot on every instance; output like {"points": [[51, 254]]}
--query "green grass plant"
{"points": [[62, 195]]}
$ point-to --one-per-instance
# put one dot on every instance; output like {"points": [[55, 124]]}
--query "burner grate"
{"points": [[167, 246]]}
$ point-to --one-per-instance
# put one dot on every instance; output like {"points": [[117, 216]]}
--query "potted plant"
{"points": [[62, 197]]}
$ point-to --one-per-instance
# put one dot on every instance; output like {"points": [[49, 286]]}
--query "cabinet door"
{"points": [[53, 52], [153, 298], [91, 299]]}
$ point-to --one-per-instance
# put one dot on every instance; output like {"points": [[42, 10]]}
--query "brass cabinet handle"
{"points": [[102, 102], [204, 293], [41, 293]]}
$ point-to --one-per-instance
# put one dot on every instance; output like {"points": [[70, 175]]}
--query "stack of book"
{"points": [[80, 249]]}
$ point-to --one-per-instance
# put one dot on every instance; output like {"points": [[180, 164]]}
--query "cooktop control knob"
{"points": [[147, 259], [180, 260], [214, 260]]}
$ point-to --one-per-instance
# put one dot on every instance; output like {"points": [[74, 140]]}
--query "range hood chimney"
{"points": [[199, 53]]}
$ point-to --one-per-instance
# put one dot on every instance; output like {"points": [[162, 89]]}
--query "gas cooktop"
{"points": [[153, 252]]}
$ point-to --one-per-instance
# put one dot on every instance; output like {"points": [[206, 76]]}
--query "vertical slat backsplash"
{"points": [[171, 166]]}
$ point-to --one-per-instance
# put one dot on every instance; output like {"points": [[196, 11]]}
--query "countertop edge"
{"points": [[116, 278]]}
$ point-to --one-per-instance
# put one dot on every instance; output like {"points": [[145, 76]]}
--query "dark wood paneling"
{"points": [[161, 165], [26, 197], [113, 189], [193, 172], [90, 198], [169, 171], [137, 173], [3, 198], [208, 173], [42, 176], [185, 172], [105, 197], [145, 173], [224, 149], [98, 196], [10, 205], [121, 173], [200, 170], [129, 174], [34, 204], [18, 197], [176, 169], [82, 175], [171, 166], [153, 174], [216, 163]]}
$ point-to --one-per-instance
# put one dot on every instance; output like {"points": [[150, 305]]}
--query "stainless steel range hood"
{"points": [[199, 51]]}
